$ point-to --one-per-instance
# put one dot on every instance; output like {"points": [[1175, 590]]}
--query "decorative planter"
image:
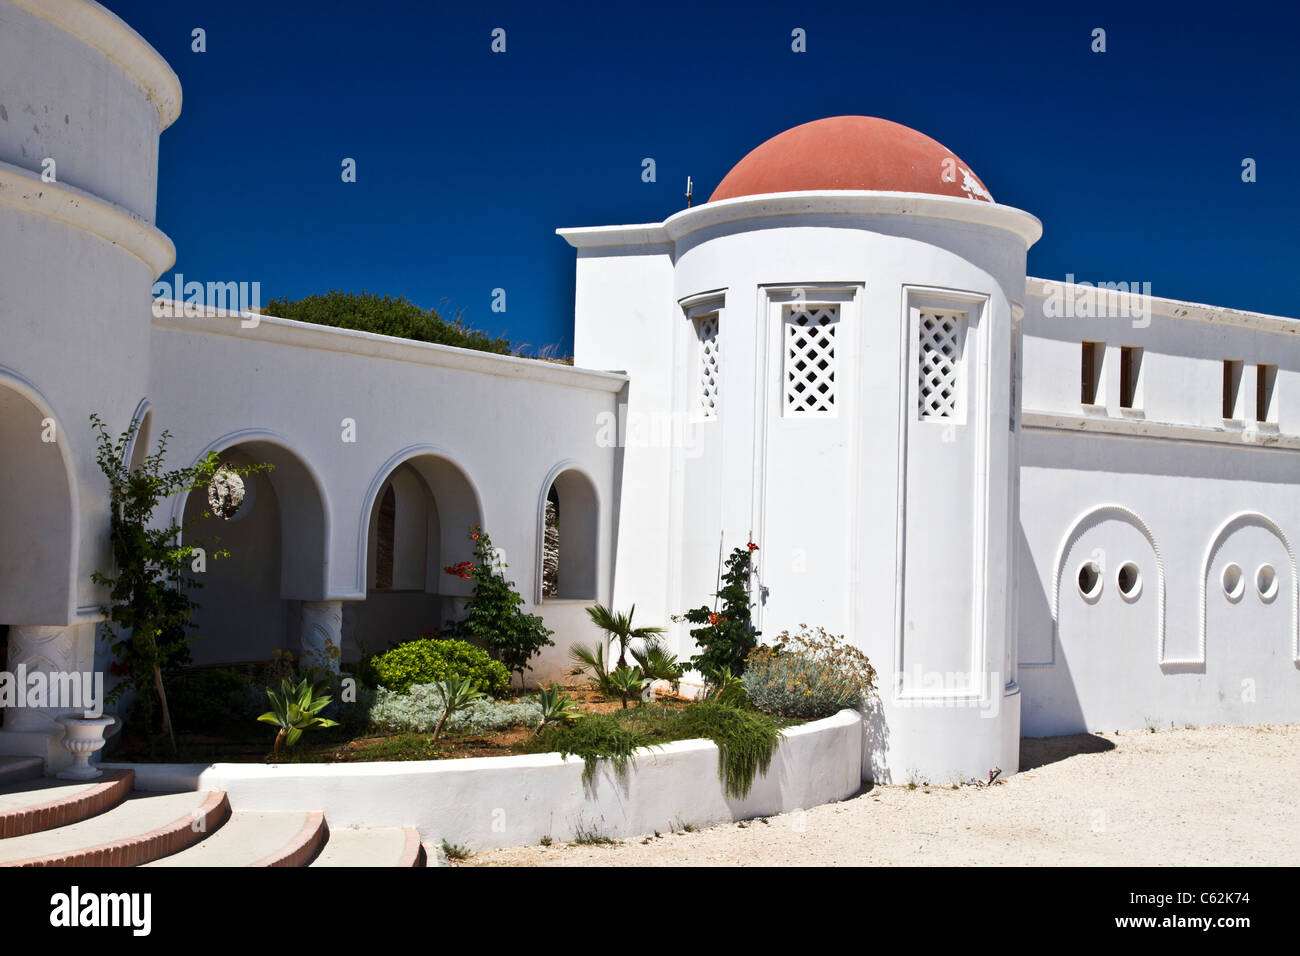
{"points": [[84, 737]]}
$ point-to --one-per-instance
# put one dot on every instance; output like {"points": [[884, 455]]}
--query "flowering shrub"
{"points": [[493, 617], [418, 709], [429, 659], [811, 674], [726, 636]]}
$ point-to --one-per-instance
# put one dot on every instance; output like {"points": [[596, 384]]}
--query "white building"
{"points": [[838, 356]]}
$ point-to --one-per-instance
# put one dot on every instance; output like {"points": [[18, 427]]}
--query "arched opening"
{"points": [[418, 523], [273, 525], [570, 545], [37, 558]]}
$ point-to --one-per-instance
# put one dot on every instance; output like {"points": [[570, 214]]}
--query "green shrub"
{"points": [[594, 737], [727, 635], [429, 660], [418, 709], [746, 741], [809, 675], [208, 701]]}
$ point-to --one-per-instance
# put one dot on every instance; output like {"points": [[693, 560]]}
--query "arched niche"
{"points": [[570, 529]]}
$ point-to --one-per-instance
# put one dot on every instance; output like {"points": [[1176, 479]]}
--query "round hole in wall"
{"points": [[1266, 582], [1129, 580], [228, 495], [1089, 579], [1233, 585]]}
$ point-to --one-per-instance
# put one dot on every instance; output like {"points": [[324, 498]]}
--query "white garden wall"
{"points": [[485, 803]]}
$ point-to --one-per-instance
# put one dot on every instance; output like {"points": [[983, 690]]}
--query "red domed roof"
{"points": [[851, 152]]}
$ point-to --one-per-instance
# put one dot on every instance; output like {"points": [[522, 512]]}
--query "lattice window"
{"points": [[810, 359], [940, 356], [706, 328]]}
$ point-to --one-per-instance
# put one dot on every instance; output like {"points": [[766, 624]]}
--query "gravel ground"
{"points": [[1217, 795]]}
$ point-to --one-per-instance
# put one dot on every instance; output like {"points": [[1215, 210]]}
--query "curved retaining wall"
{"points": [[486, 803]]}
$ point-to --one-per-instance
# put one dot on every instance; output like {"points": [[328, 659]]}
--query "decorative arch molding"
{"points": [[560, 468], [1221, 534], [262, 435], [142, 414], [407, 454], [1089, 518], [24, 388]]}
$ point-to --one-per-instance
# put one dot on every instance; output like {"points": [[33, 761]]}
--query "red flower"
{"points": [[464, 569], [752, 547], [713, 619]]}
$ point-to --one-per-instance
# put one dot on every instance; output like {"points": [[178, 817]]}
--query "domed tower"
{"points": [[83, 99], [823, 359]]}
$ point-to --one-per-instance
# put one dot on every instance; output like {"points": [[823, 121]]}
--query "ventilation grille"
{"points": [[706, 327], [810, 360], [939, 359]]}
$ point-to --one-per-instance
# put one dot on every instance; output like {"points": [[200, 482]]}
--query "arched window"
{"points": [[570, 539]]}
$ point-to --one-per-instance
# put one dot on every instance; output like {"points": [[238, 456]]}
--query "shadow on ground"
{"points": [[1039, 751]]}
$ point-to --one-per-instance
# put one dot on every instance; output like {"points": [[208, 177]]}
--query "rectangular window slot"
{"points": [[706, 331], [1232, 389], [938, 388], [1130, 376], [810, 359], [1265, 399], [1090, 391]]}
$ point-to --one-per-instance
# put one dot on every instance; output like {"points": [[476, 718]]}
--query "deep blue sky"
{"points": [[469, 160]]}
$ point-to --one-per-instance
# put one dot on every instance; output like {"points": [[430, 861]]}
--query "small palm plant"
{"points": [[626, 681], [557, 707], [591, 659], [295, 709], [657, 663], [457, 694], [619, 626]]}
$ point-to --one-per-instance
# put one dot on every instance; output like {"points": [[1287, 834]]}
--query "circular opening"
{"points": [[1232, 583], [228, 496], [1266, 582], [1089, 579], [1129, 580]]}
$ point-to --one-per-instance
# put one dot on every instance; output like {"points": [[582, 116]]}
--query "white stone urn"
{"points": [[84, 737]]}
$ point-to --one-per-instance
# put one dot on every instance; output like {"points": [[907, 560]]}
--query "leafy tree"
{"points": [[727, 635], [385, 315], [493, 617], [149, 610]]}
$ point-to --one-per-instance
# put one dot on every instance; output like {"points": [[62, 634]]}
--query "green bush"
{"points": [[810, 675], [429, 660], [385, 315], [208, 701], [594, 737], [746, 741]]}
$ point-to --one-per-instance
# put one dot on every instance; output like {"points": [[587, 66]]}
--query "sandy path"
{"points": [[1219, 795]]}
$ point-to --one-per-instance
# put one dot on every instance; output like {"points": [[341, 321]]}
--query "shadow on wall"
{"points": [[875, 742], [1049, 702]]}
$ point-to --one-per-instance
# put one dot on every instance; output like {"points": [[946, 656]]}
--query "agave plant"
{"points": [[725, 688], [619, 626], [457, 694], [657, 663], [294, 709], [557, 706]]}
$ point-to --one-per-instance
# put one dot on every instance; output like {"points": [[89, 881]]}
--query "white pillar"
{"points": [[322, 635], [59, 651]]}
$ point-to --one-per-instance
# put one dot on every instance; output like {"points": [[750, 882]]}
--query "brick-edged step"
{"points": [[378, 846], [44, 804], [143, 827], [17, 769], [256, 839]]}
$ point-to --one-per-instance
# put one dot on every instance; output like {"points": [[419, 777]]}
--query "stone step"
{"points": [[378, 846], [256, 839], [143, 827], [46, 803], [17, 769]]}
